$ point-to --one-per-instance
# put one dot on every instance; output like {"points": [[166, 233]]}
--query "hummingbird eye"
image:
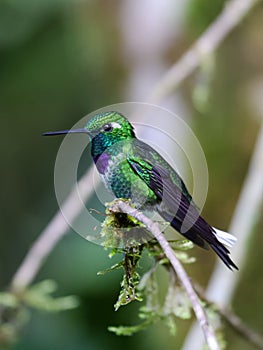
{"points": [[107, 127]]}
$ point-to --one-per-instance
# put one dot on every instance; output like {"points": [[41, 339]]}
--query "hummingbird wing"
{"points": [[175, 207], [176, 204]]}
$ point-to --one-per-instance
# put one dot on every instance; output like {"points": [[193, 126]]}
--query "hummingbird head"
{"points": [[107, 129], [111, 125], [104, 130]]}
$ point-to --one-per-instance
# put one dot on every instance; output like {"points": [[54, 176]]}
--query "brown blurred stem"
{"points": [[52, 234], [124, 207], [247, 212], [233, 320], [241, 328], [231, 16]]}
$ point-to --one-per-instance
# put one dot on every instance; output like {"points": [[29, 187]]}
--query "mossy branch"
{"points": [[124, 207]]}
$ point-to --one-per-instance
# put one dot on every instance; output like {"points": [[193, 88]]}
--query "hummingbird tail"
{"points": [[204, 235], [223, 254], [225, 238]]}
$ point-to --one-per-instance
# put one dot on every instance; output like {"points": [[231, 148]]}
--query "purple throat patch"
{"points": [[102, 162]]}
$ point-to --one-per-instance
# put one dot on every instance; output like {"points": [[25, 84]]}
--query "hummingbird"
{"points": [[132, 169]]}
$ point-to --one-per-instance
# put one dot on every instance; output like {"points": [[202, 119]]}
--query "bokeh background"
{"points": [[62, 59]]}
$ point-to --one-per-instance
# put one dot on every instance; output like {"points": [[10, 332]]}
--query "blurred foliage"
{"points": [[201, 13], [59, 60], [20, 20], [15, 308]]}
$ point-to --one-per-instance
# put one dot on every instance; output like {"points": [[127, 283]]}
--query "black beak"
{"points": [[77, 131]]}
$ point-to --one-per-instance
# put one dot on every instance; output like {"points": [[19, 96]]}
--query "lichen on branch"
{"points": [[128, 231]]}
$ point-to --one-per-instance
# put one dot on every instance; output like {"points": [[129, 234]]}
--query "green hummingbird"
{"points": [[133, 170]]}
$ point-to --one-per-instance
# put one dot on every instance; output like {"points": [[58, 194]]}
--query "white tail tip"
{"points": [[225, 237]]}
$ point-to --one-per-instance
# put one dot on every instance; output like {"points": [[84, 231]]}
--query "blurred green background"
{"points": [[62, 59]]}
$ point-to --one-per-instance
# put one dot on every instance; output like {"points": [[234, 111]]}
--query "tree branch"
{"points": [[242, 223], [51, 235], [230, 17], [120, 206], [239, 326], [235, 322]]}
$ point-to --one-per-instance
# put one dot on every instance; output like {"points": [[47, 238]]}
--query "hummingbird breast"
{"points": [[119, 178]]}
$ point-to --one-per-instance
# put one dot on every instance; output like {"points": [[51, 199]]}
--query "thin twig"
{"points": [[50, 236], [239, 326], [230, 17], [235, 322], [120, 206], [247, 211]]}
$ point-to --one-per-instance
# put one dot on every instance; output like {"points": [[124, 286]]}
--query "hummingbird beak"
{"points": [[73, 131]]}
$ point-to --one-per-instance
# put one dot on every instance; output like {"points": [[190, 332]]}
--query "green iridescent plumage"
{"points": [[132, 169], [117, 152]]}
